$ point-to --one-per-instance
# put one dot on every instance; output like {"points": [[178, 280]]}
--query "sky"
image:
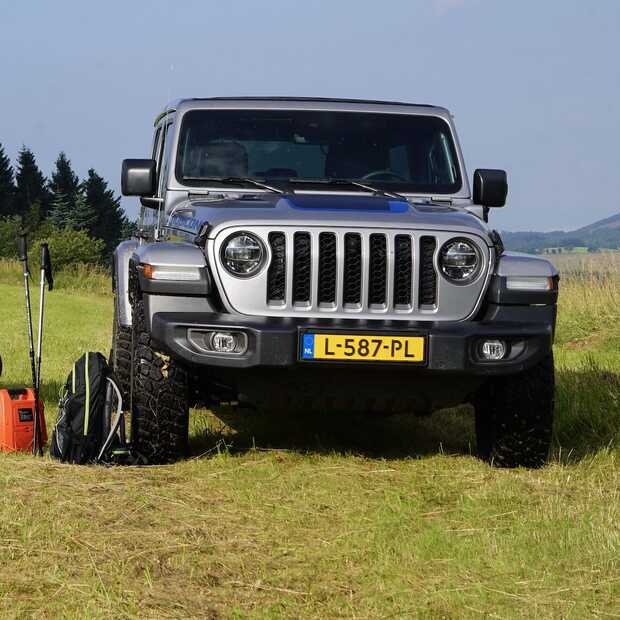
{"points": [[534, 86]]}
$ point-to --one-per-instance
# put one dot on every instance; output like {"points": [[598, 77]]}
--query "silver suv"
{"points": [[319, 254]]}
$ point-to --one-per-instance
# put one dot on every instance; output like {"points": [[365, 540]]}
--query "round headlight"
{"points": [[243, 254], [459, 261]]}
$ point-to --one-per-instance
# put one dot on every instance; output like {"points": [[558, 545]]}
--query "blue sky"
{"points": [[534, 86]]}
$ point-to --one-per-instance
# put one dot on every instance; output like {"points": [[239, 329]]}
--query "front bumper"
{"points": [[450, 347]]}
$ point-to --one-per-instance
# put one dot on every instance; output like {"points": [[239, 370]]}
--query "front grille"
{"points": [[327, 268], [276, 275], [352, 281], [403, 267], [428, 276], [378, 270], [352, 270], [302, 268], [335, 272]]}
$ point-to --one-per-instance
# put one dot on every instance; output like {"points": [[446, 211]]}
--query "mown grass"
{"points": [[324, 517]]}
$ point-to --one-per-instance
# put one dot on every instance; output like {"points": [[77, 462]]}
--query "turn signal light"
{"points": [[529, 283], [179, 273]]}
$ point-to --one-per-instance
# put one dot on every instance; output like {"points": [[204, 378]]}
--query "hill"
{"points": [[609, 223], [601, 235]]}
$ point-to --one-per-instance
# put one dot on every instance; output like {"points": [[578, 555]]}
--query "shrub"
{"points": [[68, 247], [9, 230]]}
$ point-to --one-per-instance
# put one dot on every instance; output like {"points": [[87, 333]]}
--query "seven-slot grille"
{"points": [[351, 271]]}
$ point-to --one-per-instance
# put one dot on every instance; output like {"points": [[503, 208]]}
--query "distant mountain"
{"points": [[609, 223], [601, 235]]}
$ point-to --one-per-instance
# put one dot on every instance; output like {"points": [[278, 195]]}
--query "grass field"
{"points": [[332, 517]]}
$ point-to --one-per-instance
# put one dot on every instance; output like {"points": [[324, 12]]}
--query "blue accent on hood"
{"points": [[346, 203]]}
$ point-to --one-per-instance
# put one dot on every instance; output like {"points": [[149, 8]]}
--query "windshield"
{"points": [[398, 152]]}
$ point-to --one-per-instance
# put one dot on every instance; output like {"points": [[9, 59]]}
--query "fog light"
{"points": [[223, 342], [493, 350]]}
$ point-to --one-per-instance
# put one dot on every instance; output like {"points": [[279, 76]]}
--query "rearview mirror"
{"points": [[490, 187], [138, 177]]}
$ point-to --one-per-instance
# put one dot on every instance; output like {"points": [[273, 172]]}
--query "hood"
{"points": [[322, 209]]}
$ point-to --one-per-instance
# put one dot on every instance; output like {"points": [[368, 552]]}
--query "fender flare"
{"points": [[519, 264], [130, 254], [120, 280]]}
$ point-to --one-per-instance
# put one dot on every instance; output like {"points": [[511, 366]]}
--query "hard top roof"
{"points": [[173, 105]]}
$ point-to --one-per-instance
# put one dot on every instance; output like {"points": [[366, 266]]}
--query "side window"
{"points": [[164, 159], [149, 217], [156, 143], [162, 175], [442, 166], [158, 149]]}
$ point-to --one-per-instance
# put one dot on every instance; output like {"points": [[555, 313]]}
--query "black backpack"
{"points": [[84, 432]]}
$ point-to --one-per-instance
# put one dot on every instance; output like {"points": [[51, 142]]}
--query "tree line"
{"points": [[62, 206], [604, 238]]}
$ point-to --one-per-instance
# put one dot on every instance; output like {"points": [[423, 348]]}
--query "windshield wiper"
{"points": [[237, 181], [374, 190]]}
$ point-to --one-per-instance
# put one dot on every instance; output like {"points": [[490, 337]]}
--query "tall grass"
{"points": [[78, 278], [586, 266], [588, 354], [589, 295]]}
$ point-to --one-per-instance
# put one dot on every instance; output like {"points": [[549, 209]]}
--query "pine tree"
{"points": [[84, 216], [61, 210], [65, 187], [31, 186], [129, 229], [7, 185], [110, 222], [33, 219]]}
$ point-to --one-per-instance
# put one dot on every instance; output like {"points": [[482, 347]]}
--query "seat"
{"points": [[224, 159], [353, 161]]}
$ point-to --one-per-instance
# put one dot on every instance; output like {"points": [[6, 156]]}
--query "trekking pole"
{"points": [[46, 275], [23, 256]]}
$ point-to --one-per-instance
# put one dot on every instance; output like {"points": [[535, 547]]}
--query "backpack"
{"points": [[84, 432]]}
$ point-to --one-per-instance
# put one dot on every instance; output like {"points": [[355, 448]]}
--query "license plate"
{"points": [[362, 348]]}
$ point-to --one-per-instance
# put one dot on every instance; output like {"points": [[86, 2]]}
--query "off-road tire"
{"points": [[120, 355], [160, 411], [514, 417]]}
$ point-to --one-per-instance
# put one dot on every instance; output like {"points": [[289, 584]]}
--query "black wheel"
{"points": [[120, 356], [160, 411], [514, 417]]}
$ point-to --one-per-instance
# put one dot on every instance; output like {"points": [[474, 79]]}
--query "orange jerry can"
{"points": [[17, 411]]}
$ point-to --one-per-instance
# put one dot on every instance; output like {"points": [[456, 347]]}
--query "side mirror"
{"points": [[138, 177], [490, 187]]}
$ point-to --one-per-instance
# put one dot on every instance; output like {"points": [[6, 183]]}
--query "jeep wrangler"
{"points": [[305, 254]]}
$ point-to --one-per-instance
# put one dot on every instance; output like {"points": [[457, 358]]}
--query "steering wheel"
{"points": [[383, 175]]}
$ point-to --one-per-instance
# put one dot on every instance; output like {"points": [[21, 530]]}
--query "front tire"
{"points": [[160, 410], [120, 356], [514, 417]]}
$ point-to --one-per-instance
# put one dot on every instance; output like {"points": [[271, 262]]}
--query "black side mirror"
{"points": [[490, 187], [138, 177]]}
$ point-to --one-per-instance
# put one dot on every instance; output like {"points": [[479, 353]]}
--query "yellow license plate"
{"points": [[364, 348]]}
